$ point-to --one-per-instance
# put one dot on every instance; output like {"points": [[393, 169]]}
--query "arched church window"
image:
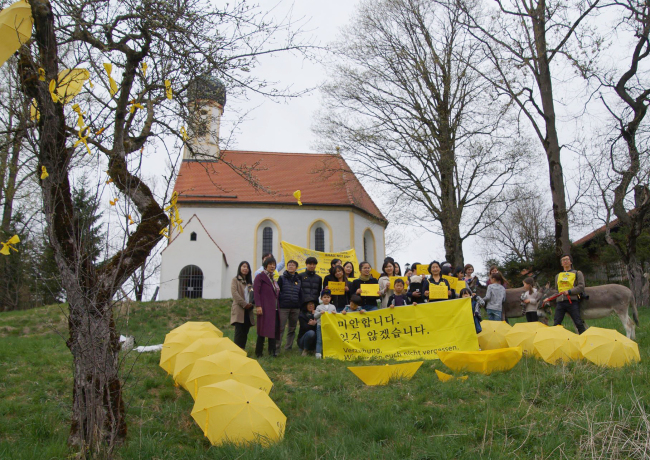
{"points": [[190, 283], [320, 239], [365, 248], [267, 240], [193, 236]]}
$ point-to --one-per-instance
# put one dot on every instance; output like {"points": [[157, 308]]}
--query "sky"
{"points": [[286, 126]]}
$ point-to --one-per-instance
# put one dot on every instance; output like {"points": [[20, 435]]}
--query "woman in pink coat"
{"points": [[266, 292]]}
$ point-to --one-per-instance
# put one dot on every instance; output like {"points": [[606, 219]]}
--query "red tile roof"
{"points": [[323, 179]]}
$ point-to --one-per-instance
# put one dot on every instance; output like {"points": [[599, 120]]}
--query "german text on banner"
{"points": [[401, 333], [300, 254]]}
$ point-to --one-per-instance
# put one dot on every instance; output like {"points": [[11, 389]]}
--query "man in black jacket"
{"points": [[311, 283], [290, 302]]}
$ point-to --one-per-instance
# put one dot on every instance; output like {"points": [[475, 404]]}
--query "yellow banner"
{"points": [[300, 254], [452, 280], [401, 333], [337, 287], [422, 269], [438, 291], [394, 278], [460, 285]]}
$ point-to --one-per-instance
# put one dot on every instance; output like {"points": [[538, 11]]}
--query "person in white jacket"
{"points": [[325, 307]]}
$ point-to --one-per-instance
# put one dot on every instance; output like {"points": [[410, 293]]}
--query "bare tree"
{"points": [[521, 40], [177, 41], [409, 111], [622, 168]]}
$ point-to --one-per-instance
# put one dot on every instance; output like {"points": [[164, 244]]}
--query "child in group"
{"points": [[355, 306], [494, 298], [477, 303], [399, 298], [325, 307], [307, 333], [529, 300]]}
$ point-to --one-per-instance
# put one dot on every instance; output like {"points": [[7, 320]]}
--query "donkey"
{"points": [[600, 302]]}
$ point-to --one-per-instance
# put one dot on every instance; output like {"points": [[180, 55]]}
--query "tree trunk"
{"points": [[638, 282], [138, 285], [10, 187], [551, 142], [98, 415]]}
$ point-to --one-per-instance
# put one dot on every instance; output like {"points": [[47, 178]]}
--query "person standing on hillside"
{"points": [[242, 315], [290, 302], [570, 285], [266, 292], [311, 283]]}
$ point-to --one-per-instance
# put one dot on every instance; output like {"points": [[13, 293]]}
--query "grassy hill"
{"points": [[535, 411]]}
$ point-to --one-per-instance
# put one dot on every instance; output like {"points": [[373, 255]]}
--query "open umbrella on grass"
{"points": [[197, 326], [554, 344], [177, 342], [523, 334], [200, 349], [493, 335], [608, 347], [233, 412], [227, 365]]}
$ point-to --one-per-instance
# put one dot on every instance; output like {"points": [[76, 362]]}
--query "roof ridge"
{"points": [[207, 233], [355, 178], [258, 152]]}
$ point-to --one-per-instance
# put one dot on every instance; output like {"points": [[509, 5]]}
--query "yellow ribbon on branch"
{"points": [[44, 174], [9, 244], [111, 82]]}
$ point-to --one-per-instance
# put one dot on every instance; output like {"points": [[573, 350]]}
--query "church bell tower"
{"points": [[206, 99]]}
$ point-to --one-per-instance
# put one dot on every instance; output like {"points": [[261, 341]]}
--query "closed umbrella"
{"points": [[523, 334], [233, 412], [553, 344], [483, 362], [15, 28], [177, 342], [382, 375], [227, 365], [608, 347], [200, 349], [493, 335]]}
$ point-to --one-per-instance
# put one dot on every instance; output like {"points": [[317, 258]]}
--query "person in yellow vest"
{"points": [[570, 284]]}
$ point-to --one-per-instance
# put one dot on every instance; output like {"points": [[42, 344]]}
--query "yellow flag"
{"points": [[297, 196], [44, 174], [168, 89], [113, 85]]}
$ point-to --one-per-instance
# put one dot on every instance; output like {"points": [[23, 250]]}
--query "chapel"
{"points": [[237, 205]]}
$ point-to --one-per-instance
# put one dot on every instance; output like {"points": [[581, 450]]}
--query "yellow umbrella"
{"points": [[200, 349], [227, 365], [15, 28], [447, 378], [556, 343], [69, 83], [523, 334], [607, 347], [234, 412], [382, 375], [175, 343], [197, 326], [493, 335], [483, 362]]}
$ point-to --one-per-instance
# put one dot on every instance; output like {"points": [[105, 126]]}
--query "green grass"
{"points": [[534, 411]]}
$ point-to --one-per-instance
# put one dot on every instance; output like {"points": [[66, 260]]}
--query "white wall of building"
{"points": [[238, 231]]}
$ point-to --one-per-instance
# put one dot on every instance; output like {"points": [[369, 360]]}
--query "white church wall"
{"points": [[239, 232], [202, 253]]}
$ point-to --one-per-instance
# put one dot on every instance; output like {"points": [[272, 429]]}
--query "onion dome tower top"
{"points": [[207, 88]]}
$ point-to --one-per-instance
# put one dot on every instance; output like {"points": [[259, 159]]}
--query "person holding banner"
{"points": [[418, 284], [330, 276], [266, 293], [387, 270], [437, 293], [366, 287], [339, 288]]}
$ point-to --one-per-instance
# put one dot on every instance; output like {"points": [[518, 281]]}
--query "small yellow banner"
{"points": [[337, 287], [438, 291], [404, 333], [392, 281], [374, 273], [452, 280], [351, 279], [369, 290], [422, 269], [460, 285], [565, 281]]}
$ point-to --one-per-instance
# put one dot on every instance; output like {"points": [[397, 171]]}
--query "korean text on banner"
{"points": [[452, 280], [394, 278], [438, 291], [403, 333], [300, 254], [337, 287]]}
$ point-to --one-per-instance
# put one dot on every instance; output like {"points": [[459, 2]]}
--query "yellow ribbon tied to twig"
{"points": [[111, 82], [134, 106], [80, 114], [113, 202], [174, 215], [9, 244], [168, 89], [34, 114], [83, 139], [41, 74], [184, 133], [144, 69], [131, 222], [164, 233], [55, 96], [297, 196], [44, 174]]}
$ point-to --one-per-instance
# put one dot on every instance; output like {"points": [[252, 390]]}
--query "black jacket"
{"points": [[290, 292], [311, 285], [367, 300], [304, 318]]}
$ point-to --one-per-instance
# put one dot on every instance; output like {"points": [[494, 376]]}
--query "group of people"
{"points": [[279, 303]]}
